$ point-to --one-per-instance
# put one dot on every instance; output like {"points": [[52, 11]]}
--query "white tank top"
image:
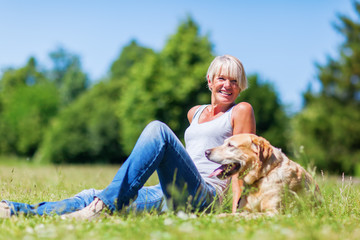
{"points": [[202, 136]]}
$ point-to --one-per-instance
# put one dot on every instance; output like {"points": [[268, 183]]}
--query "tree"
{"points": [[31, 97], [272, 122], [133, 73], [67, 75], [328, 127], [164, 86], [129, 55], [136, 106], [29, 101], [25, 76], [182, 80], [86, 131]]}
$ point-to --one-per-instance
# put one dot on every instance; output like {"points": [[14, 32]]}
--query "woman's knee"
{"points": [[158, 131], [156, 124], [156, 127]]}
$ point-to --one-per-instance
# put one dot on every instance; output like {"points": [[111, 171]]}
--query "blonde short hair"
{"points": [[231, 66]]}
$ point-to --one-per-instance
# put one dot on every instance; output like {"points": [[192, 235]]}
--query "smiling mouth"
{"points": [[226, 170], [225, 93]]}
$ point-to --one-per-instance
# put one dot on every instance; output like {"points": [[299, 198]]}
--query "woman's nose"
{"points": [[227, 84]]}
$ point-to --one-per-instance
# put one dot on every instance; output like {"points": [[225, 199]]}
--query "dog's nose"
{"points": [[207, 153]]}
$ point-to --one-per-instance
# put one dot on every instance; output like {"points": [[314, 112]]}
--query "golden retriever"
{"points": [[265, 170]]}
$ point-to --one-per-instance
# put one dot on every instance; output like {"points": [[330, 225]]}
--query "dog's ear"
{"points": [[262, 146]]}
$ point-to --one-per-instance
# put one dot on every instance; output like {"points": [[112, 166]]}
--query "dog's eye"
{"points": [[230, 145]]}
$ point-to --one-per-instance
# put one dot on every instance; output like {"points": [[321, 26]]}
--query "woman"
{"points": [[180, 170]]}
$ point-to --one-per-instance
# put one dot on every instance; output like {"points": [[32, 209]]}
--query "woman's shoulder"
{"points": [[243, 119], [242, 112], [191, 112], [243, 107]]}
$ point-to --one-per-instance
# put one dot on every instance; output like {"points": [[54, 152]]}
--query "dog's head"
{"points": [[243, 153]]}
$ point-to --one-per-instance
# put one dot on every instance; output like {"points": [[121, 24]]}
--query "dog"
{"points": [[266, 172]]}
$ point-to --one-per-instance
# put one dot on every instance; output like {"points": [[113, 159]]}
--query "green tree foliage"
{"points": [[136, 106], [86, 131], [129, 56], [271, 119], [164, 86], [102, 123], [67, 75], [328, 127], [30, 97], [28, 101], [25, 76], [134, 71], [182, 81]]}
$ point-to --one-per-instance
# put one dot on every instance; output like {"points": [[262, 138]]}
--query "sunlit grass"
{"points": [[337, 218]]}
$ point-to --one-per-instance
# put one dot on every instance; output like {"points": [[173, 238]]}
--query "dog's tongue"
{"points": [[217, 171]]}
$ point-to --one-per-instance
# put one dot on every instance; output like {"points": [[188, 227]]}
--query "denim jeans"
{"points": [[157, 149], [148, 198]]}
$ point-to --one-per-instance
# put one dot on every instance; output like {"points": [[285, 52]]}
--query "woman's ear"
{"points": [[209, 83]]}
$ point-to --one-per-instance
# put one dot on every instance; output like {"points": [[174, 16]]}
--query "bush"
{"points": [[26, 112], [86, 131]]}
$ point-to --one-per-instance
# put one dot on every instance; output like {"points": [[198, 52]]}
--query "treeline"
{"points": [[55, 115]]}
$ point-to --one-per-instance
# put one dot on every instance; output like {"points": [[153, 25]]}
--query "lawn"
{"points": [[337, 218]]}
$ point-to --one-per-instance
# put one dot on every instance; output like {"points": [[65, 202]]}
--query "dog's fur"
{"points": [[265, 170]]}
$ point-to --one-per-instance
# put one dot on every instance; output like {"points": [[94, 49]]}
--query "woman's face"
{"points": [[224, 89]]}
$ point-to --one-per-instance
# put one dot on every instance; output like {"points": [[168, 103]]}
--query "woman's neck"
{"points": [[215, 109]]}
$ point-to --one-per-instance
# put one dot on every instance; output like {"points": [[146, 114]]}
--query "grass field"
{"points": [[337, 218]]}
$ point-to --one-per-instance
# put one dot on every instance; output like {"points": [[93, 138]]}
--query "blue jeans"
{"points": [[156, 149], [148, 198]]}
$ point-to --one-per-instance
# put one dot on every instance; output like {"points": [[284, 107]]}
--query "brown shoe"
{"points": [[4, 210], [88, 213]]}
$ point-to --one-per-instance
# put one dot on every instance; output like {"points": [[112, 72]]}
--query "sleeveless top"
{"points": [[202, 136]]}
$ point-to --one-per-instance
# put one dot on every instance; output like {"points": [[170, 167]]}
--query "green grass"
{"points": [[337, 218]]}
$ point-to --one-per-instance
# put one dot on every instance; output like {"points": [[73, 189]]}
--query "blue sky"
{"points": [[281, 40]]}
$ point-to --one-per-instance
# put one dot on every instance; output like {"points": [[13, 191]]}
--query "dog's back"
{"points": [[280, 176], [267, 173]]}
